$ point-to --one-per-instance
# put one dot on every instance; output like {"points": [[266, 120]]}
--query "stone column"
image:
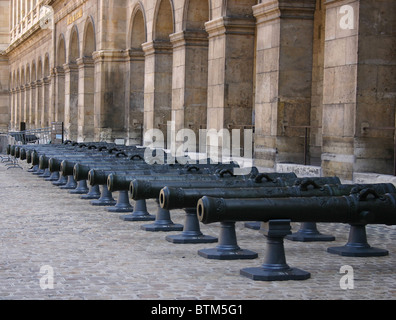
{"points": [[38, 104], [157, 85], [190, 80], [28, 90], [315, 132], [46, 115], [85, 99], [51, 94], [12, 107], [17, 108], [32, 111], [59, 95], [22, 114], [71, 101], [283, 79], [109, 101], [359, 87], [134, 95], [230, 77]]}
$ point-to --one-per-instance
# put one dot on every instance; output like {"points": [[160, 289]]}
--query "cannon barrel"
{"points": [[179, 198], [84, 157], [81, 170], [66, 164], [366, 207], [97, 162], [117, 181], [98, 177], [145, 189]]}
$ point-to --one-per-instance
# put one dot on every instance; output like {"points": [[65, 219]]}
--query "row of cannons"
{"points": [[210, 193]]}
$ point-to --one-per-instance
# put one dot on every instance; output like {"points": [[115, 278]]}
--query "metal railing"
{"points": [[33, 136]]}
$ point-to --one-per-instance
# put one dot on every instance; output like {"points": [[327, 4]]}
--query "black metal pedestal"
{"points": [[71, 183], [253, 225], [61, 181], [123, 204], [309, 232], [357, 245], [228, 248], [191, 231], [53, 177], [139, 213], [94, 193], [162, 222], [106, 198], [82, 188], [45, 174], [275, 267], [33, 168]]}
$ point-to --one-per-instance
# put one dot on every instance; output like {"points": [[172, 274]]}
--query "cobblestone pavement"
{"points": [[96, 255]]}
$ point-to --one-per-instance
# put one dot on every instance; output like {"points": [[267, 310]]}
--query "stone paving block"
{"points": [[96, 255]]}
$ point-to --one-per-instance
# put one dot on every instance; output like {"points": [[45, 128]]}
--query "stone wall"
{"points": [[314, 78]]}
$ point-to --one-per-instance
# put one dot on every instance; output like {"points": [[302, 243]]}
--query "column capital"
{"points": [[333, 3], [70, 67], [157, 47], [85, 62], [189, 38], [58, 71], [133, 54], [230, 25], [46, 80], [271, 10], [108, 56]]}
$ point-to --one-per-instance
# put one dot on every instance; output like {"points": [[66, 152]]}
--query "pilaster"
{"points": [[359, 89], [283, 79]]}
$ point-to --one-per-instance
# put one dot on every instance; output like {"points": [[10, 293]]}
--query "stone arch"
{"points": [[17, 99], [46, 116], [196, 13], [39, 69], [28, 102], [238, 8], [28, 73], [135, 71], [138, 33], [61, 51], [39, 93], [12, 97], [18, 78], [160, 55], [71, 86], [46, 69], [23, 78], [33, 101], [60, 79], [33, 71], [89, 42], [23, 96], [164, 20], [13, 80], [86, 84], [74, 48]]}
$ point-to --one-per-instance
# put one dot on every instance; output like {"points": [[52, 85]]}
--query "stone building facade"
{"points": [[315, 79]]}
